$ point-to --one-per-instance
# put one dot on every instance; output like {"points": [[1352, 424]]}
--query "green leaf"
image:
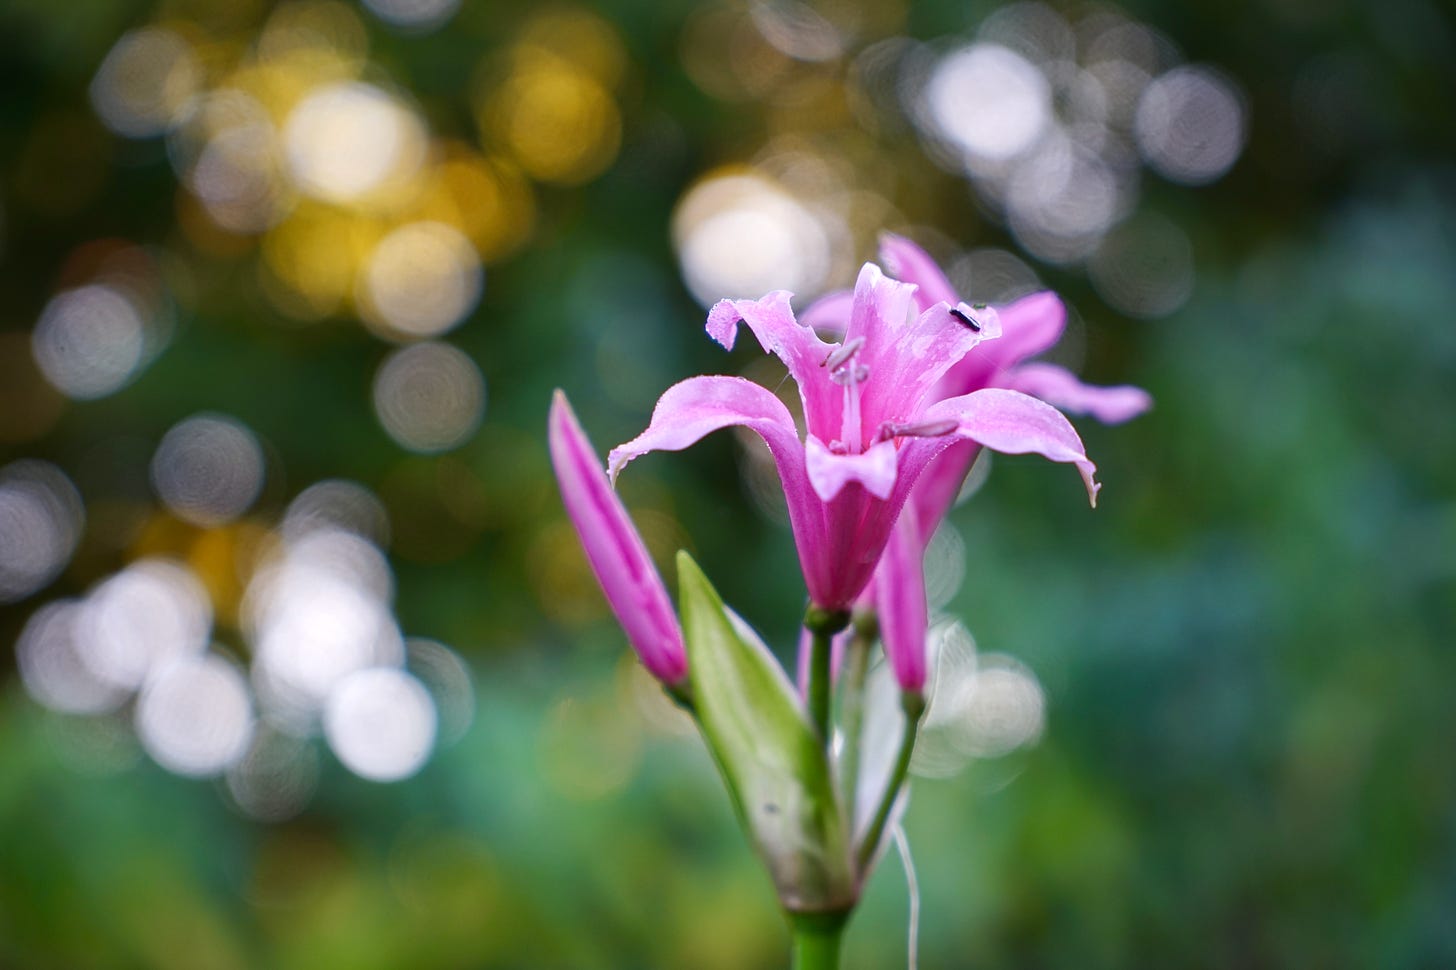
{"points": [[770, 756]]}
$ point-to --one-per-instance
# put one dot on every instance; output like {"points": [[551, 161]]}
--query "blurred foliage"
{"points": [[1247, 651]]}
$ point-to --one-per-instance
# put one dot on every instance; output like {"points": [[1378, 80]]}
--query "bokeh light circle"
{"points": [[52, 667], [195, 717], [208, 469], [142, 618], [344, 140], [989, 101], [145, 80], [335, 504], [415, 15], [381, 724], [41, 516], [742, 235], [422, 280], [89, 341], [1190, 124], [429, 397]]}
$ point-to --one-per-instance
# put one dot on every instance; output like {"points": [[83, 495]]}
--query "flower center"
{"points": [[848, 375]]}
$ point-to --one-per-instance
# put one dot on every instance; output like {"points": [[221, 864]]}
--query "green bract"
{"points": [[773, 761]]}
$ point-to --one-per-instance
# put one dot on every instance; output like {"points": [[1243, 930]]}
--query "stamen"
{"points": [[850, 375], [965, 318], [842, 353], [925, 429]]}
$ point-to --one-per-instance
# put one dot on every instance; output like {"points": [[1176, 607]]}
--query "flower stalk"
{"points": [[817, 939], [913, 704], [822, 625], [851, 701]]}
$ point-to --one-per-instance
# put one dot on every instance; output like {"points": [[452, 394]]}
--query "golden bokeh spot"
{"points": [[223, 559], [280, 83], [318, 251], [311, 26], [557, 121], [164, 535], [581, 37], [486, 199]]}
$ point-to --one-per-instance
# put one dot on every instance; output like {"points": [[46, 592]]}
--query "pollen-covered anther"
{"points": [[850, 375], [843, 353], [923, 429]]}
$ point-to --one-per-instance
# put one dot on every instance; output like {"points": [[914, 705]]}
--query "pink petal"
{"points": [[803, 353], [829, 473], [1016, 424], [881, 307], [698, 406], [900, 600], [1029, 326], [908, 262], [633, 588], [692, 409], [829, 313], [940, 484], [903, 372], [1060, 388], [772, 321]]}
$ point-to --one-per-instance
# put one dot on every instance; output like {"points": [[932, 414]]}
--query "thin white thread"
{"points": [[903, 845]]}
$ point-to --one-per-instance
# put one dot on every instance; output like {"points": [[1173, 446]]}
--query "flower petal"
{"points": [[633, 588], [692, 409], [1016, 424], [772, 321], [881, 307], [903, 373], [908, 262], [803, 353], [698, 406], [939, 485], [900, 600], [1060, 388], [1029, 326], [829, 473], [830, 313]]}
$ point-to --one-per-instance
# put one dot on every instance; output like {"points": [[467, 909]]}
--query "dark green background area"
{"points": [[1248, 649]]}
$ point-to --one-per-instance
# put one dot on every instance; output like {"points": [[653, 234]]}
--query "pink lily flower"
{"points": [[874, 412], [632, 585], [1029, 326]]}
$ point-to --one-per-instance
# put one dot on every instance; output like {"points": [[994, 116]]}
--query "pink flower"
{"points": [[1028, 327], [633, 588], [875, 416]]}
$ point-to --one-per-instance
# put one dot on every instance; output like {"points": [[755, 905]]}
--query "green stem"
{"points": [[913, 703], [817, 938], [822, 625], [851, 703]]}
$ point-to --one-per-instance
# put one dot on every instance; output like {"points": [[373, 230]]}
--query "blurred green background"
{"points": [[309, 671]]}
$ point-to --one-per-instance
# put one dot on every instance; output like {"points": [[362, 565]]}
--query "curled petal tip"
{"points": [[723, 322]]}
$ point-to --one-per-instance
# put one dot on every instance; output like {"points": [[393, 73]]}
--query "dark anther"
{"points": [[965, 318]]}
